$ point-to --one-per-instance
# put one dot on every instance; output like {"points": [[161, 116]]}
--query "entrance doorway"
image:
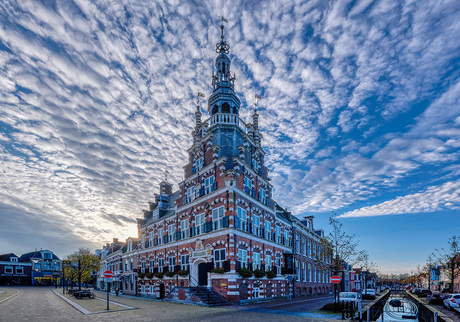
{"points": [[202, 274]]}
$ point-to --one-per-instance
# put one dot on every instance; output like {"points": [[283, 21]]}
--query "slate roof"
{"points": [[169, 212], [6, 257], [37, 254]]}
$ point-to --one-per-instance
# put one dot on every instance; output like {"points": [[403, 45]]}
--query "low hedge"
{"points": [[245, 273], [170, 274]]}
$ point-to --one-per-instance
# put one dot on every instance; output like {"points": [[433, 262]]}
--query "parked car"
{"points": [[453, 300], [348, 297], [369, 291], [435, 298]]}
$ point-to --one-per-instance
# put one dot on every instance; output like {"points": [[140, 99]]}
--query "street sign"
{"points": [[335, 279], [108, 274]]}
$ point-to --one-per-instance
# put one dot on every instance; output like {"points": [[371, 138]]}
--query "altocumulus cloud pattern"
{"points": [[97, 101]]}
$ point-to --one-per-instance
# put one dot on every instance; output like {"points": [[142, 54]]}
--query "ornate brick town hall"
{"points": [[220, 236]]}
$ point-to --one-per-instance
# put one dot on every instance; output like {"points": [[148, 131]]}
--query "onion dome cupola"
{"points": [[223, 98]]}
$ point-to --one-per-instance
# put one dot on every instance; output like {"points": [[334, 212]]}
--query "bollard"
{"points": [[435, 316], [368, 316], [352, 313], [343, 310]]}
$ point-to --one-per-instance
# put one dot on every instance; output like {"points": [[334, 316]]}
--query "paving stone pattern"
{"points": [[41, 304]]}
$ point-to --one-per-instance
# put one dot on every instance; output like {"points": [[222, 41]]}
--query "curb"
{"points": [[86, 312]]}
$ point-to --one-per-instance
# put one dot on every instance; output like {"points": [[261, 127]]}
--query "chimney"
{"points": [[115, 240], [165, 188]]}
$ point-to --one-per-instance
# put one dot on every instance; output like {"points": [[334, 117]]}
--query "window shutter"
{"points": [[250, 266], [184, 201], [237, 222], [176, 268], [268, 202], [178, 235], [262, 267], [225, 221], [193, 170], [208, 226], [214, 186], [155, 241], [227, 266], [155, 270], [165, 269], [165, 239], [250, 227]]}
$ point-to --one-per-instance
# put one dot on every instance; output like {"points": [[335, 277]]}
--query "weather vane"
{"points": [[198, 97], [257, 97]]}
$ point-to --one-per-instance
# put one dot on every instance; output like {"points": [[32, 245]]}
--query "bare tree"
{"points": [[448, 258], [367, 266], [341, 247]]}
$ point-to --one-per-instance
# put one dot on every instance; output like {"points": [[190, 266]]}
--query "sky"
{"points": [[360, 114]]}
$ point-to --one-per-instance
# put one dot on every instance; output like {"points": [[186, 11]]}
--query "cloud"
{"points": [[435, 198]]}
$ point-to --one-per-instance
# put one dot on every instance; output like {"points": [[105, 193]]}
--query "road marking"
{"points": [[10, 297]]}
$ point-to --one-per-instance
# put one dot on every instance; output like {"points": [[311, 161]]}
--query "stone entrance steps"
{"points": [[196, 295]]}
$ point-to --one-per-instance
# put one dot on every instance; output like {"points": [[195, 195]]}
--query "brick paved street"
{"points": [[41, 304]]}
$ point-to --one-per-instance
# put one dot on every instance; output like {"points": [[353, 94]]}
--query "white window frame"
{"points": [[304, 271], [171, 262], [160, 234], [151, 289], [184, 228], [268, 262], [199, 164], [190, 194], [184, 262], [172, 232], [278, 233], [297, 270], [255, 260], [256, 292], [161, 264], [220, 256], [255, 165], [243, 257], [142, 289], [13, 259], [278, 265], [256, 225], [243, 216], [268, 229], [286, 237], [151, 265], [208, 182], [304, 246], [262, 196], [151, 237], [248, 183], [297, 243], [19, 270], [309, 273], [9, 270], [199, 223], [217, 215], [309, 249]]}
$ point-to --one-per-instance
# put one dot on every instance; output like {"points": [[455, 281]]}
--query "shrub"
{"points": [[170, 274], [245, 273], [159, 274], [183, 272], [328, 307], [258, 273], [149, 275], [271, 274], [140, 275], [218, 270]]}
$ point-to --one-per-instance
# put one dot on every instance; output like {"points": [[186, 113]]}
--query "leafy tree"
{"points": [[448, 258], [430, 263], [79, 265]]}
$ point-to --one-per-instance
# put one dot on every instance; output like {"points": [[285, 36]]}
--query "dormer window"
{"points": [[208, 184], [14, 259], [199, 164], [46, 255]]}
